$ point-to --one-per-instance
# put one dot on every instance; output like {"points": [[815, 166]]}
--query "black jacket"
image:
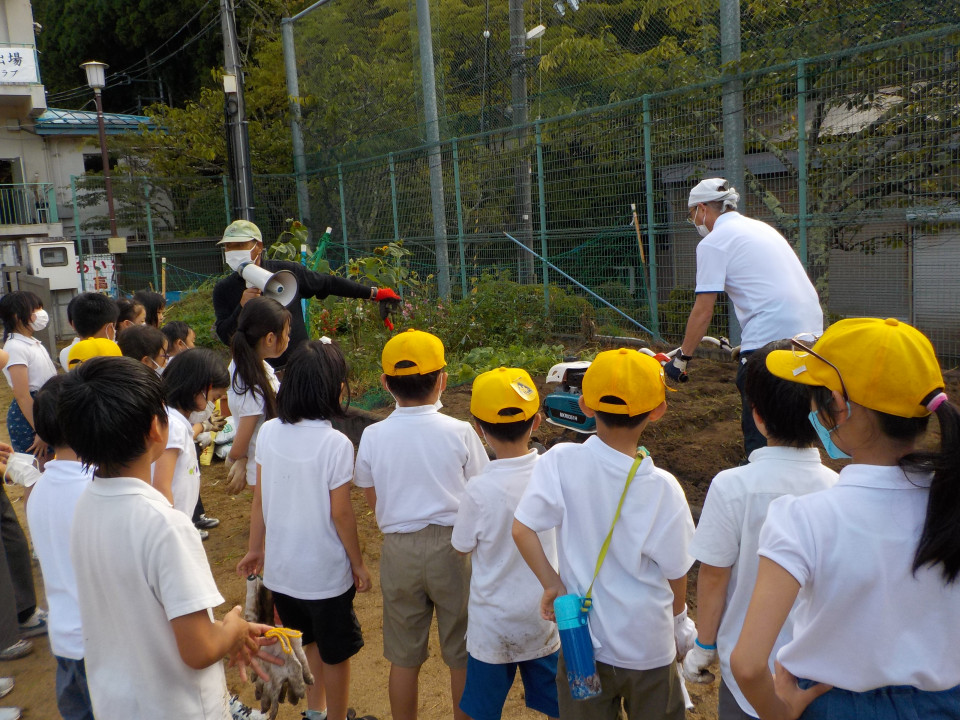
{"points": [[227, 293]]}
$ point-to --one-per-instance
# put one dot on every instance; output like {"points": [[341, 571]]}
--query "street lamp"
{"points": [[96, 79]]}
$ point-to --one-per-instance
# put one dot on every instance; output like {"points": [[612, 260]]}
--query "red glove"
{"points": [[385, 294]]}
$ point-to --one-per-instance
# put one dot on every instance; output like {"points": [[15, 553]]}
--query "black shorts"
{"points": [[331, 623]]}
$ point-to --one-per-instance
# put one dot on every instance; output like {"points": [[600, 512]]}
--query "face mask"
{"points": [[702, 229], [158, 369], [40, 320], [826, 437], [112, 333], [235, 258]]}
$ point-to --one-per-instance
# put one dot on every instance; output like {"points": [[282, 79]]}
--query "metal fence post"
{"points": [[153, 248], [456, 188], [393, 199], [651, 219], [76, 230], [226, 197], [343, 212], [542, 196], [802, 159]]}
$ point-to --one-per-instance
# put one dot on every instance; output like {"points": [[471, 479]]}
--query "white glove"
{"points": [[684, 632], [203, 439], [237, 476], [697, 661], [20, 470]]}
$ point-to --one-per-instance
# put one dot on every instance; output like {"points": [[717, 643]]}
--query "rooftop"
{"points": [[83, 122]]}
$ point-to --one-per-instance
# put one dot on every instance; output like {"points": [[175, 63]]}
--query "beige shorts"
{"points": [[641, 693], [420, 572]]}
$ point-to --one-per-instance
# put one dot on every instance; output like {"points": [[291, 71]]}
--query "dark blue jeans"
{"points": [[73, 696], [896, 702], [752, 438]]}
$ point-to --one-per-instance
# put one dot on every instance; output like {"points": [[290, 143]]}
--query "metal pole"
{"points": [[434, 158], [651, 218], [456, 187], [732, 120], [296, 120], [107, 181], [802, 159], [393, 200], [518, 92], [226, 198], [153, 248], [542, 196], [238, 135], [76, 232], [343, 213]]}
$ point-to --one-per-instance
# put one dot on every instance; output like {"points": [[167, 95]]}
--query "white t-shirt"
{"points": [[576, 488], [186, 473], [503, 618], [419, 462], [29, 351], [761, 274], [65, 353], [247, 404], [50, 517], [729, 531], [300, 465], [139, 565], [864, 619]]}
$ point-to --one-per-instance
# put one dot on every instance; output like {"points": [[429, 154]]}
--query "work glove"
{"points": [[237, 476], [204, 439], [676, 369], [684, 633], [734, 351], [287, 681], [696, 662], [385, 294]]}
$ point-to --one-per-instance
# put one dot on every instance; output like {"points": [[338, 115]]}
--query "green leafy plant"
{"points": [[288, 243]]}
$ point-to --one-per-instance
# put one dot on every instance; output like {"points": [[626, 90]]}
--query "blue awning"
{"points": [[82, 122]]}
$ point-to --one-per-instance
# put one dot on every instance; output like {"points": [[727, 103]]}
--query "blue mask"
{"points": [[833, 452]]}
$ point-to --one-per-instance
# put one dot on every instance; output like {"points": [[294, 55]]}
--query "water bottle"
{"points": [[577, 647]]}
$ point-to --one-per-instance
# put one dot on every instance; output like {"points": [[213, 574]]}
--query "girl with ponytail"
{"points": [[263, 332], [872, 563]]}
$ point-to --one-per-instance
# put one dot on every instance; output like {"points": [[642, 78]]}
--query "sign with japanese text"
{"points": [[18, 64]]}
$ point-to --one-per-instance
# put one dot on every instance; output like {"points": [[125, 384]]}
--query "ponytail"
{"points": [[940, 539], [259, 317]]}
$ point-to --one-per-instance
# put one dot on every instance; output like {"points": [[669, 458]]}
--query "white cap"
{"points": [[712, 190]]}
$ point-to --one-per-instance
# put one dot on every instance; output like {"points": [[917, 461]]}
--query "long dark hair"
{"points": [[153, 303], [190, 373], [312, 383], [259, 317]]}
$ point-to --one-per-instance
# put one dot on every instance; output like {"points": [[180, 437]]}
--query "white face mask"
{"points": [[158, 369], [702, 229], [40, 320], [235, 258]]}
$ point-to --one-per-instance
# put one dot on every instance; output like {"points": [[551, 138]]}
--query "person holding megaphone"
{"points": [[287, 282]]}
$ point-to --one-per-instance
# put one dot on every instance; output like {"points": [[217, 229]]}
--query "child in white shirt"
{"points": [[504, 629], [303, 533]]}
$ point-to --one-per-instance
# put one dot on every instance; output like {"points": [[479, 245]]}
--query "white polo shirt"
{"points": [[300, 465], [761, 274], [29, 351], [140, 564], [503, 618], [863, 618], [65, 353], [419, 462], [186, 472], [729, 531], [576, 488], [50, 517], [246, 404]]}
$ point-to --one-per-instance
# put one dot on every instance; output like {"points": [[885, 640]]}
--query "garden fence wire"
{"points": [[851, 149]]}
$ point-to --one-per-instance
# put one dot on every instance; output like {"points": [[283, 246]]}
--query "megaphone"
{"points": [[280, 286]]}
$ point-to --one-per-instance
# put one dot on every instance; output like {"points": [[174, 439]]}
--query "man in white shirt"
{"points": [[758, 270]]}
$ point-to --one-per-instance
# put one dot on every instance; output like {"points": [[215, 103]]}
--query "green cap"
{"points": [[241, 231]]}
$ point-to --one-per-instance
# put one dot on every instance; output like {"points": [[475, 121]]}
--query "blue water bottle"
{"points": [[577, 647]]}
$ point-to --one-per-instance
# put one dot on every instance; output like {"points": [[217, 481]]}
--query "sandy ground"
{"points": [[699, 436]]}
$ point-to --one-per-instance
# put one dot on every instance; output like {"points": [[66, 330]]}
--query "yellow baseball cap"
{"points": [[503, 389], [91, 348], [241, 231], [631, 376], [885, 365], [422, 349]]}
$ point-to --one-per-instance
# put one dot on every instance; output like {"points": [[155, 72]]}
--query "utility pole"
{"points": [[733, 161], [518, 92], [434, 160], [238, 137], [296, 118]]}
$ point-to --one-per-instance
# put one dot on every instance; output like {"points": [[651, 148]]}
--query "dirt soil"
{"points": [[699, 436]]}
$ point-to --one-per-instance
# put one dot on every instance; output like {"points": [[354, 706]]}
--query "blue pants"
{"points": [[73, 696], [752, 438], [19, 430], [896, 702]]}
